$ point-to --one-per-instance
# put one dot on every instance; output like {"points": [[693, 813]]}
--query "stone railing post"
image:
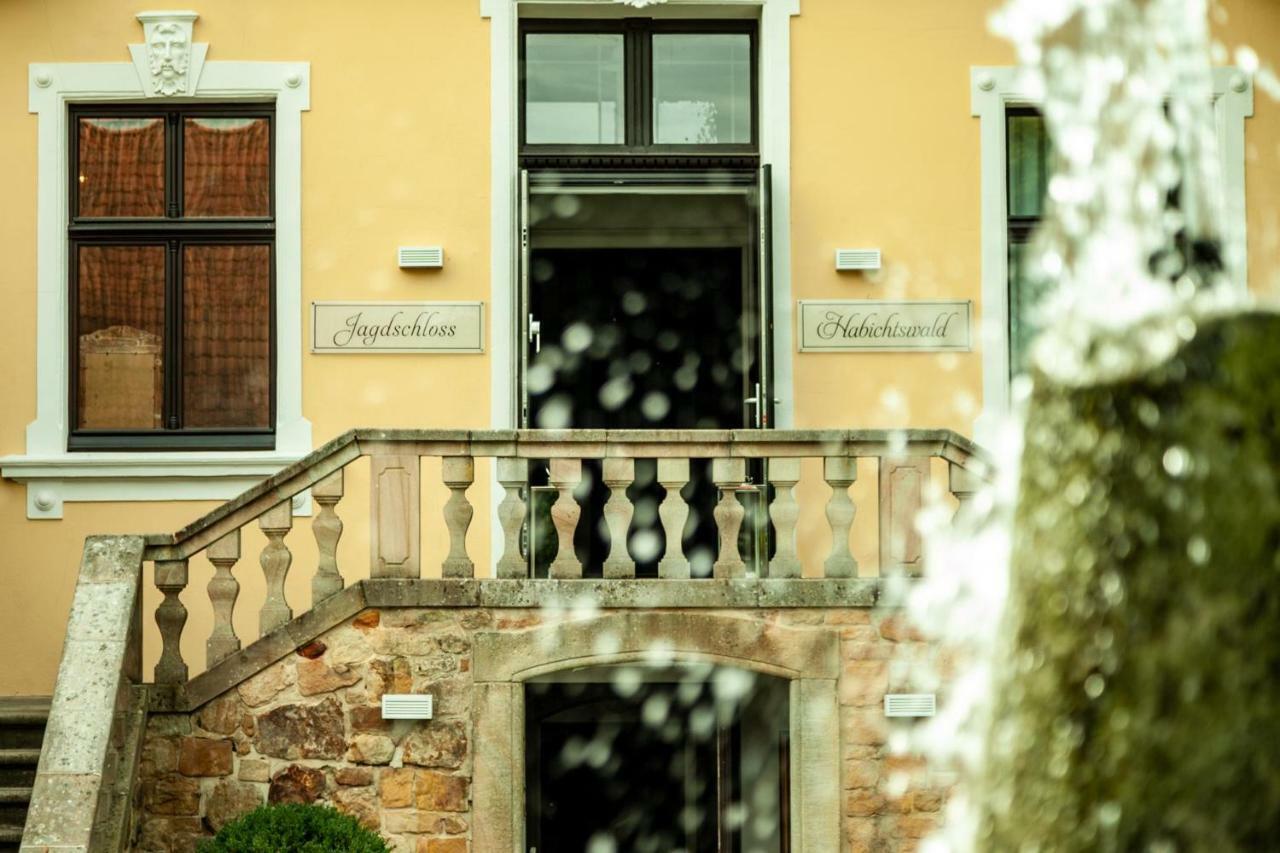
{"points": [[902, 488], [565, 512], [728, 475], [618, 475], [840, 472], [513, 476], [964, 485], [224, 589], [395, 494], [171, 616], [459, 472], [275, 561], [673, 475], [784, 473], [327, 528]]}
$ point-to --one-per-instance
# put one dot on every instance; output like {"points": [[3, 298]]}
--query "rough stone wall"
{"points": [[309, 729]]}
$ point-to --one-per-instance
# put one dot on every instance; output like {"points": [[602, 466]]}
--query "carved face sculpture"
{"points": [[169, 58]]}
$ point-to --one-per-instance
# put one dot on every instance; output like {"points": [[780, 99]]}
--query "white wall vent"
{"points": [[421, 257], [406, 706], [857, 259], [910, 704]]}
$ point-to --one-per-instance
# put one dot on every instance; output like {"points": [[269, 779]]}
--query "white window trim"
{"points": [[774, 70], [993, 89], [54, 476], [775, 149]]}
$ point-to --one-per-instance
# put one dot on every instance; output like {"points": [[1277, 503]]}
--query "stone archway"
{"points": [[808, 657]]}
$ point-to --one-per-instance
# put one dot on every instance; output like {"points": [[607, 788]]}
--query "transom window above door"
{"points": [[638, 86]]}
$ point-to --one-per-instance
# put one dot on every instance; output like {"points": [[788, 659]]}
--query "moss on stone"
{"points": [[1137, 699]]}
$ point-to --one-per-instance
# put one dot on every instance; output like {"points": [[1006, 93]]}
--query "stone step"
{"points": [[18, 767], [22, 721]]}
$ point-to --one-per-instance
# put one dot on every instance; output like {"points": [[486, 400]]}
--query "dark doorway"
{"points": [[644, 308], [632, 761], [639, 338]]}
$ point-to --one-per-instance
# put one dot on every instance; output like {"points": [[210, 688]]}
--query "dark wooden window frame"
{"points": [[1018, 228], [175, 233], [639, 150]]}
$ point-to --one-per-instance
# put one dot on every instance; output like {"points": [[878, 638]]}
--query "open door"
{"points": [[764, 300], [524, 325], [645, 304]]}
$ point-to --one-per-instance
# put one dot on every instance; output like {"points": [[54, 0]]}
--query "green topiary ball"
{"points": [[295, 828]]}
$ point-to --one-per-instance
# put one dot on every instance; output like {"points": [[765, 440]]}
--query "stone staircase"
{"points": [[22, 722]]}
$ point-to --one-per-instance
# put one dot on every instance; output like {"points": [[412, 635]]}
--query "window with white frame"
{"points": [[279, 91], [1014, 173]]}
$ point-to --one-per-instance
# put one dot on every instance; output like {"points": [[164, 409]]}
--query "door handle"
{"points": [[535, 334]]}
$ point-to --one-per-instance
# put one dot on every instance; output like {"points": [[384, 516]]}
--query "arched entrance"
{"points": [[653, 759], [803, 663]]}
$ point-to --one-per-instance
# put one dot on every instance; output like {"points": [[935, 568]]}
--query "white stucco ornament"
{"points": [[169, 61], [640, 4]]}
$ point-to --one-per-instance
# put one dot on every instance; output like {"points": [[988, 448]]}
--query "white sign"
{"points": [[856, 325], [397, 327]]}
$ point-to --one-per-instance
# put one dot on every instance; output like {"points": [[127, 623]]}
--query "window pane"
{"points": [[701, 88], [227, 167], [121, 168], [1028, 164], [1026, 308], [226, 336], [573, 88], [120, 337]]}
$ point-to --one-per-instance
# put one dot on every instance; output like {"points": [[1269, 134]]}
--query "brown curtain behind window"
{"points": [[121, 167], [227, 167], [226, 349]]}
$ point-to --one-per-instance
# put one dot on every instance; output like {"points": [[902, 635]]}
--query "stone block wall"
{"points": [[309, 729]]}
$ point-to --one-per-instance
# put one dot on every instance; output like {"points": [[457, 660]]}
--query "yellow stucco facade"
{"points": [[396, 151]]}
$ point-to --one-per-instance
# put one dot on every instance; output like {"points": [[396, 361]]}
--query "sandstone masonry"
{"points": [[308, 728]]}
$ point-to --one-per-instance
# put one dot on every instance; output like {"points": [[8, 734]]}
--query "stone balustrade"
{"points": [[904, 462]]}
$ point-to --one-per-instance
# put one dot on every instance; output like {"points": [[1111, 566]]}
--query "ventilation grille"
{"points": [[910, 705], [406, 706], [421, 257], [857, 259]]}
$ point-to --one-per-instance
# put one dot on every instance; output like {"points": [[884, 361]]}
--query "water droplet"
{"points": [[633, 302], [615, 392], [1177, 461], [541, 378], [1094, 685], [1109, 814], [577, 337], [1198, 550], [655, 405]]}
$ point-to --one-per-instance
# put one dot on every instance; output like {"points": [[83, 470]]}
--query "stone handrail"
{"points": [[395, 507], [88, 764]]}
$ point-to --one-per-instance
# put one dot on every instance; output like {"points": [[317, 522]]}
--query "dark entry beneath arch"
{"points": [[632, 759]]}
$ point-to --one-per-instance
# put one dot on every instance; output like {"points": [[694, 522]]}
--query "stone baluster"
{"points": [[513, 476], [395, 496], [784, 473], [565, 512], [840, 472], [459, 472], [224, 589], [327, 528], [673, 474], [964, 485], [728, 475], [275, 561], [171, 616], [618, 475]]}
